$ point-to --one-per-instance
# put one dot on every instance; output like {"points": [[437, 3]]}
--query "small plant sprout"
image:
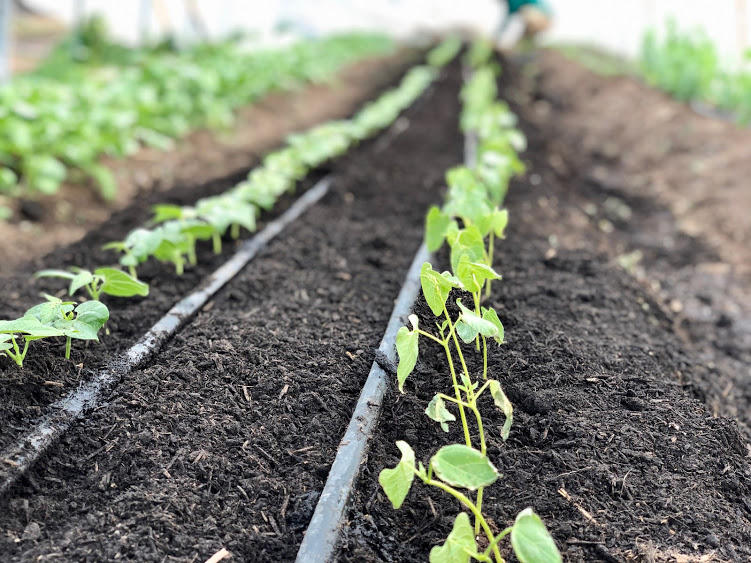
{"points": [[456, 467], [109, 281], [52, 319]]}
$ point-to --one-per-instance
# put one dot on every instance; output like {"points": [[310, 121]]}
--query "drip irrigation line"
{"points": [[319, 545], [17, 458], [322, 535]]}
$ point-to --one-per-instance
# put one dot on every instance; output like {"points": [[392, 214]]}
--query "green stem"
{"points": [[216, 238], [490, 263], [235, 230], [484, 358], [192, 259], [447, 398], [452, 334], [67, 347], [477, 514], [428, 335], [479, 508], [497, 539], [457, 393]]}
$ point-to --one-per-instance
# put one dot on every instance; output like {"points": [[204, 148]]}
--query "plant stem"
{"points": [[216, 239], [484, 358], [428, 335], [67, 347], [490, 263], [192, 259], [457, 393], [235, 230], [477, 514]]}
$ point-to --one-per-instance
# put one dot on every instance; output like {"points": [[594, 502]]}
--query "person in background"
{"points": [[535, 16]]}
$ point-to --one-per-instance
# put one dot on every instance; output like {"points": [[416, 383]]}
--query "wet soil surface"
{"points": [[226, 439], [612, 444]]}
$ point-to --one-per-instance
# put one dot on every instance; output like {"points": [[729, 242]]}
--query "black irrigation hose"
{"points": [[322, 536], [17, 458]]}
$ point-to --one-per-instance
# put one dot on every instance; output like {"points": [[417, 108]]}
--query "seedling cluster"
{"points": [[469, 220], [54, 318], [176, 230]]}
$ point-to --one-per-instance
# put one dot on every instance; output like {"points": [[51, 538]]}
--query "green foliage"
{"points": [[686, 65], [53, 318], [109, 281], [531, 541], [461, 466], [177, 229], [112, 101], [445, 52], [682, 64], [460, 543]]}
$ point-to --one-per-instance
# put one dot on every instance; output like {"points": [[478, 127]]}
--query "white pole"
{"points": [[144, 21], [5, 39]]}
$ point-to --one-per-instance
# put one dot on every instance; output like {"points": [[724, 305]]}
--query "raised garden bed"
{"points": [[226, 438]]}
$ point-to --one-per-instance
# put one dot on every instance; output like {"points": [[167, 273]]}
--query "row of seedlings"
{"points": [[57, 128], [469, 221], [177, 229]]}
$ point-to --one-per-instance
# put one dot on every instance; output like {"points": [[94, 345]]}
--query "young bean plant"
{"points": [[54, 318], [109, 281]]}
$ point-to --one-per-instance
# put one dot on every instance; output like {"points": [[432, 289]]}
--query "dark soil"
{"points": [[25, 393], [226, 439], [611, 443], [680, 178]]}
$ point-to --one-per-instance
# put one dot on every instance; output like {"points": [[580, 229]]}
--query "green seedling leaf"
{"points": [[437, 411], [436, 226], [459, 543], [436, 287], [397, 482], [462, 466], [90, 317], [467, 241], [474, 274], [494, 222], [166, 212], [502, 402], [470, 324], [120, 284], [6, 342], [81, 279], [467, 196], [531, 541], [104, 180], [407, 347], [489, 314], [44, 173]]}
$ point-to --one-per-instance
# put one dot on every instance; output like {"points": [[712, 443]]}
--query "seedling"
{"points": [[457, 467], [52, 319], [103, 280]]}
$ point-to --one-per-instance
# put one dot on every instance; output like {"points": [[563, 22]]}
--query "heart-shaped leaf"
{"points": [[396, 482], [462, 466]]}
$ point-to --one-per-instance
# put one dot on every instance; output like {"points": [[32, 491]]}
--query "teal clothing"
{"points": [[516, 5]]}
